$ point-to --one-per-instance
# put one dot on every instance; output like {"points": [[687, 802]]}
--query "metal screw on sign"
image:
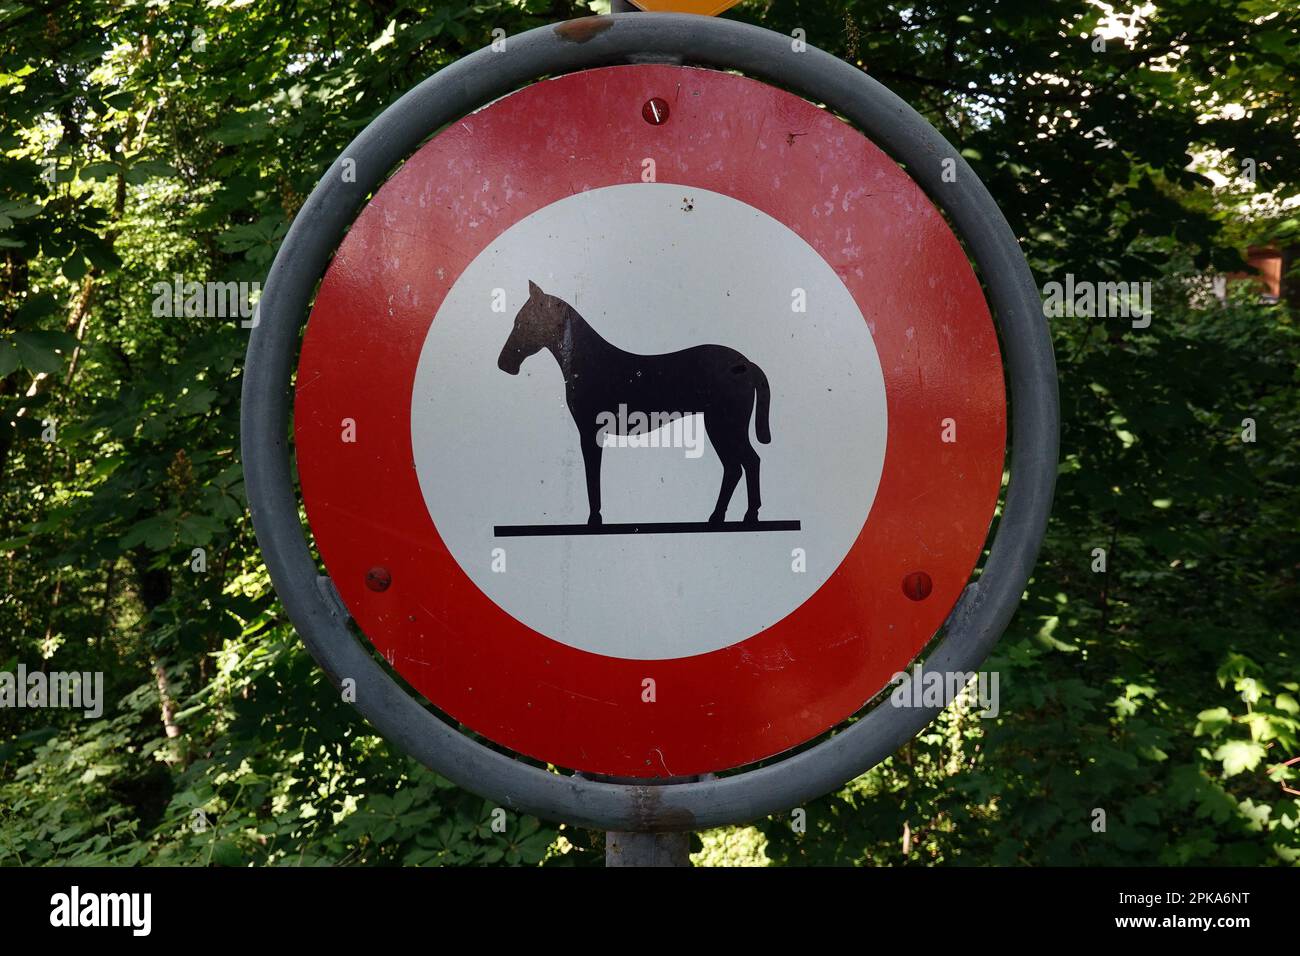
{"points": [[655, 111], [918, 585], [533, 513]]}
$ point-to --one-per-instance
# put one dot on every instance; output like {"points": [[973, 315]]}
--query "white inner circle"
{"points": [[653, 268]]}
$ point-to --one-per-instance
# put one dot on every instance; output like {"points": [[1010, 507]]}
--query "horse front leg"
{"points": [[591, 452]]}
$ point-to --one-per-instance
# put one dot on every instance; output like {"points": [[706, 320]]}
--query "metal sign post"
{"points": [[546, 345], [654, 848], [632, 848]]}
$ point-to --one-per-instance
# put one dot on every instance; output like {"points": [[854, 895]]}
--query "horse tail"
{"points": [[764, 395]]}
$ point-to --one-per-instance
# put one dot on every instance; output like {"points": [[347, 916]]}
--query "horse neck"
{"points": [[578, 343]]}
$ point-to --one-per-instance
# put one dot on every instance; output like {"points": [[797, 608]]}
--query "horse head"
{"points": [[538, 324]]}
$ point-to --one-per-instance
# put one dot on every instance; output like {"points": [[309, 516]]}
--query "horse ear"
{"points": [[534, 291]]}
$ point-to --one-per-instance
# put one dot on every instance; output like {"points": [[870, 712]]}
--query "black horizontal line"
{"points": [[647, 527]]}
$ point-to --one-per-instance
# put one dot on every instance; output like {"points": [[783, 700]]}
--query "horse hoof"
{"points": [[716, 519], [594, 520], [751, 517]]}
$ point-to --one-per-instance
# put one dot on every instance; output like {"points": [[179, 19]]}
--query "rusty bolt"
{"points": [[378, 579], [655, 111], [918, 585]]}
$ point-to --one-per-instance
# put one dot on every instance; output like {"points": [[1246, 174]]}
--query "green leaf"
{"points": [[156, 533], [41, 351], [1238, 756], [9, 211], [74, 267], [225, 853], [1212, 721], [144, 170], [9, 359], [98, 172]]}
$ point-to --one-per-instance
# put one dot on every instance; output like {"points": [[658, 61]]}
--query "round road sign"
{"points": [[649, 419]]}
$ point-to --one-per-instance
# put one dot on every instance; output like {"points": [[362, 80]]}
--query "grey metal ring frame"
{"points": [[980, 615]]}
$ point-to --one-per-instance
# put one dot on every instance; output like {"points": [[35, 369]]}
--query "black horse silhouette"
{"points": [[599, 378]]}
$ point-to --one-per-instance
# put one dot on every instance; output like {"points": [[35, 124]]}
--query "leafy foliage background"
{"points": [[143, 140]]}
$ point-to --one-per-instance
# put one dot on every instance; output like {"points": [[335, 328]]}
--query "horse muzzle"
{"points": [[510, 362]]}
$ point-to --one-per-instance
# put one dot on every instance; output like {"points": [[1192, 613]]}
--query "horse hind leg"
{"points": [[750, 460], [731, 469], [722, 435]]}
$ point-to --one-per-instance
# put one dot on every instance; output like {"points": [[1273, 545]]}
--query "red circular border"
{"points": [[864, 216]]}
